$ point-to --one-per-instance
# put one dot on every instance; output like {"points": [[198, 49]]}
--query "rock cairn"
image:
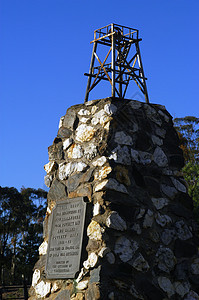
{"points": [[123, 157]]}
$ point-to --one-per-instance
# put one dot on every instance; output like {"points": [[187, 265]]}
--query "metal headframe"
{"points": [[122, 65]]}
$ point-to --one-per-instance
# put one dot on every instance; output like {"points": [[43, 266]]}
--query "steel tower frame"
{"points": [[125, 65]]}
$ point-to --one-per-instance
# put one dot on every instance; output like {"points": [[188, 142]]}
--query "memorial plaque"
{"points": [[65, 239]]}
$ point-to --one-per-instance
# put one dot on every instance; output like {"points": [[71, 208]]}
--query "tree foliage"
{"points": [[188, 131], [21, 217]]}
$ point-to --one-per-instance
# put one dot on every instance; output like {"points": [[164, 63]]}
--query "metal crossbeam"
{"points": [[122, 66]]}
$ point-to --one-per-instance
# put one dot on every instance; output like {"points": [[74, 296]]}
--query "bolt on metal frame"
{"points": [[124, 65]]}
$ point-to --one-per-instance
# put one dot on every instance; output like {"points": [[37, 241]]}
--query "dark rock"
{"points": [[57, 191], [143, 142], [171, 136], [64, 132], [55, 152], [184, 249], [181, 270], [57, 140], [84, 190], [139, 180], [185, 200], [180, 211], [153, 186], [194, 279], [95, 275], [93, 245], [93, 292], [73, 182], [41, 263], [151, 291], [176, 161], [63, 295], [119, 198], [69, 119]]}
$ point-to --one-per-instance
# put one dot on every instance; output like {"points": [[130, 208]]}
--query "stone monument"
{"points": [[119, 221]]}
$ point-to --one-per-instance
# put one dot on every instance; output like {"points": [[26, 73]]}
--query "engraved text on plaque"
{"points": [[65, 239]]}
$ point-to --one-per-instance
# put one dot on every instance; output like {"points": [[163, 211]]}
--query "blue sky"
{"points": [[45, 50]]}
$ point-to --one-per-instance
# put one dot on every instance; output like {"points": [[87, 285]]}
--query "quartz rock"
{"points": [[84, 120], [96, 209], [195, 266], [35, 277], [110, 109], [96, 119], [67, 169], [148, 219], [159, 203], [94, 231], [84, 133], [167, 236], [159, 157], [43, 248], [104, 251], [67, 143], [140, 263], [166, 259], [99, 162], [104, 120], [178, 185], [82, 285], [90, 151], [42, 289], [103, 172], [91, 261], [122, 138], [100, 186], [48, 180], [183, 231], [125, 249], [121, 155], [93, 109], [75, 151], [61, 121], [84, 112], [162, 220], [166, 286], [55, 287], [50, 167], [116, 222], [181, 288]]}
